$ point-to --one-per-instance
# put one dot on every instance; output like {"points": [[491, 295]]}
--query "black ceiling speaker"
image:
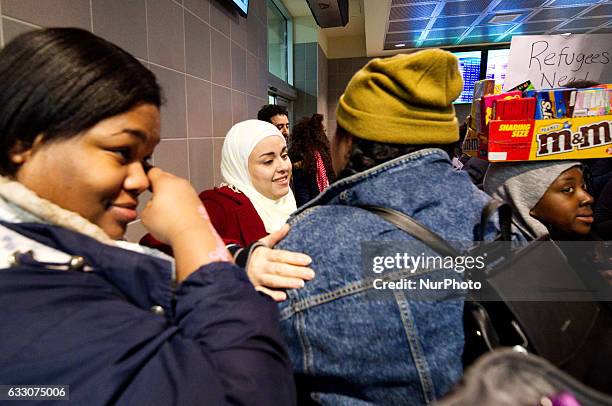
{"points": [[330, 13]]}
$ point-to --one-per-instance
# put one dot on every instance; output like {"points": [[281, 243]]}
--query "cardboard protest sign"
{"points": [[550, 61]]}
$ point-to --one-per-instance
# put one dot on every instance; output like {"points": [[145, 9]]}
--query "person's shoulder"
{"points": [[224, 195]]}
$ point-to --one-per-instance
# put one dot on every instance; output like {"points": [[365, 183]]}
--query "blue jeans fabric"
{"points": [[347, 345]]}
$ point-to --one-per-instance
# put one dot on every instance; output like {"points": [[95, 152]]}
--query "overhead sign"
{"points": [[553, 60]]}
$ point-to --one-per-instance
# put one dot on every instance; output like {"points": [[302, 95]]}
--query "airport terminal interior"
{"points": [[218, 64], [444, 167]]}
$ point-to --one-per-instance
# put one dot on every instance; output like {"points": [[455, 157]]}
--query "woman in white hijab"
{"points": [[254, 161], [250, 208]]}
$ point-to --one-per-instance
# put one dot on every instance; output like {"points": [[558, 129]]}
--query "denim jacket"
{"points": [[346, 347]]}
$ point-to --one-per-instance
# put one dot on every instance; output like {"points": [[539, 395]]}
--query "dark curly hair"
{"points": [[367, 154], [307, 137], [270, 110]]}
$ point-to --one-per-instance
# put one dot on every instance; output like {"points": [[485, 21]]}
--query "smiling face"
{"points": [[566, 205], [99, 173], [270, 167]]}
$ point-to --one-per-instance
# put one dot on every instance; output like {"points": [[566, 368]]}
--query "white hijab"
{"points": [[239, 143]]}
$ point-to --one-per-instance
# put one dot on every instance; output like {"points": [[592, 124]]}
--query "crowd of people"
{"points": [[253, 292]]}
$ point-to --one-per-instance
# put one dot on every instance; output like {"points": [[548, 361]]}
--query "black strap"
{"points": [[415, 229], [504, 211]]}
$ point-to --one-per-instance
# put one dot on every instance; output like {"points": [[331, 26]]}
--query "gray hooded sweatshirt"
{"points": [[522, 185]]}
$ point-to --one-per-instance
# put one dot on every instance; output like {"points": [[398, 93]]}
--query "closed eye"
{"points": [[124, 153]]}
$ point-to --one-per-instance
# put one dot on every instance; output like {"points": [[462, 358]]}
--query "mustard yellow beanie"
{"points": [[405, 99]]}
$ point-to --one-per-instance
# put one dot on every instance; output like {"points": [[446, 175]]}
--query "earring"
{"points": [[17, 158]]}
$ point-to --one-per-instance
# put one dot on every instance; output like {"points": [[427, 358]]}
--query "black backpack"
{"points": [[574, 335]]}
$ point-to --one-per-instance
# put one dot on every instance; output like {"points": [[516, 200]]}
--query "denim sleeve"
{"points": [[239, 328]]}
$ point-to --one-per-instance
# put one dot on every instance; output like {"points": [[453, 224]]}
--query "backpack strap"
{"points": [[504, 212], [414, 228]]}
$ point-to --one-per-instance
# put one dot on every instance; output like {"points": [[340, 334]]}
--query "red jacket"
{"points": [[232, 214]]}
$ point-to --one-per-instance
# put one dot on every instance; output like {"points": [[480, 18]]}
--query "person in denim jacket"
{"points": [[396, 124]]}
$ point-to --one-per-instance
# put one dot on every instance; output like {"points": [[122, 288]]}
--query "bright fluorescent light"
{"points": [[400, 45]]}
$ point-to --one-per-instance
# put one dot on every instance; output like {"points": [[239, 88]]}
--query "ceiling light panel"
{"points": [[449, 33], [481, 39], [561, 3], [407, 25], [556, 13], [509, 5], [403, 36], [541, 27], [505, 18], [601, 10], [449, 22], [434, 43], [454, 8], [490, 30], [415, 11], [586, 22], [405, 2], [468, 22]]}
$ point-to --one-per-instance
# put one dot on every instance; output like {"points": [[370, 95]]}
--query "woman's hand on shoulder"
{"points": [[271, 271]]}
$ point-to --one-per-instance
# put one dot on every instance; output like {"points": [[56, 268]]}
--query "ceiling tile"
{"points": [[573, 30], [506, 5], [521, 16], [556, 13], [601, 10], [479, 39], [490, 30], [453, 8], [451, 22], [414, 11], [404, 2], [437, 43], [408, 25], [540, 27], [449, 33], [403, 36], [586, 22], [559, 3]]}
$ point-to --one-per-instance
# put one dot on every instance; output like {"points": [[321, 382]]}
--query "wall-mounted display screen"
{"points": [[497, 65], [241, 5], [469, 66]]}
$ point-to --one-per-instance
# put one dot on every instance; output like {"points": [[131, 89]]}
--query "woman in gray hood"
{"points": [[547, 197]]}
